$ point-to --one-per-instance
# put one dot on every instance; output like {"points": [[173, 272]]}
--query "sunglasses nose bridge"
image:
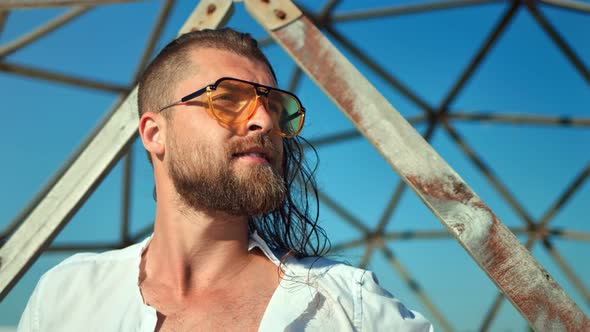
{"points": [[261, 91]]}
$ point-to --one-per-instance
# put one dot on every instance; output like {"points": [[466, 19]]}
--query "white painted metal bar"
{"points": [[86, 171]]}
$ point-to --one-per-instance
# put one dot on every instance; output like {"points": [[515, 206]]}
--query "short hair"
{"points": [[173, 63]]}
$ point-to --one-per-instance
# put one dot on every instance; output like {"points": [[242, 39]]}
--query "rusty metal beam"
{"points": [[406, 9], [161, 20], [565, 234], [295, 79], [342, 212], [61, 78], [558, 40], [480, 55], [566, 196], [391, 205], [29, 4], [567, 270], [41, 31], [444, 234], [493, 247], [366, 258], [489, 175], [352, 134], [562, 121], [492, 313], [54, 209], [380, 71], [575, 6], [3, 17]]}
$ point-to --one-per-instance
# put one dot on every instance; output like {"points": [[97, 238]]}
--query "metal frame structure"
{"points": [[509, 264]]}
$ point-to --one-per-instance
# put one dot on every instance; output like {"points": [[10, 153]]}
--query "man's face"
{"points": [[235, 169]]}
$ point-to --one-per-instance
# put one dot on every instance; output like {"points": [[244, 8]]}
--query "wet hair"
{"points": [[293, 227]]}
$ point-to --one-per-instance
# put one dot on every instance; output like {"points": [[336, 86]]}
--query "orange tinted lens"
{"points": [[230, 99]]}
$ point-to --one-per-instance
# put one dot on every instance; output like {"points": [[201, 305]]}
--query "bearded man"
{"points": [[234, 246]]}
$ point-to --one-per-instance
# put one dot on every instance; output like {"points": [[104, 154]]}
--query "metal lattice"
{"points": [[433, 117]]}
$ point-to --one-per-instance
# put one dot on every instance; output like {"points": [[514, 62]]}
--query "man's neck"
{"points": [[194, 250]]}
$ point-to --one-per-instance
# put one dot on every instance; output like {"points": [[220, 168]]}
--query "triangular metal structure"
{"points": [[491, 245]]}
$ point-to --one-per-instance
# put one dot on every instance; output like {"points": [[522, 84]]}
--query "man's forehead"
{"points": [[210, 64]]}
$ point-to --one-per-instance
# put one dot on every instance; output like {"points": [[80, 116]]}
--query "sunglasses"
{"points": [[232, 101]]}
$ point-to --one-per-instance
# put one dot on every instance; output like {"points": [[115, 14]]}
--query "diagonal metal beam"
{"points": [[489, 175], [352, 134], [386, 76], [575, 6], [407, 9], [480, 55], [161, 21], [562, 121], [569, 53], [80, 178], [567, 270], [28, 4], [3, 18], [416, 288], [41, 31], [295, 79], [342, 212], [493, 247], [565, 196], [61, 78], [391, 205]]}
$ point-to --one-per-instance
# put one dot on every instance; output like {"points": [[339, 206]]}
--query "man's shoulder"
{"points": [[358, 292], [89, 268], [327, 268], [335, 278]]}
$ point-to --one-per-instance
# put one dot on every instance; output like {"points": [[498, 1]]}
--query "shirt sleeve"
{"points": [[380, 311]]}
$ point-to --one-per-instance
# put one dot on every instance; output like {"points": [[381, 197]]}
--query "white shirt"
{"points": [[100, 292]]}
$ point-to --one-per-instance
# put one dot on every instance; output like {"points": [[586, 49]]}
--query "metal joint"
{"points": [[273, 14]]}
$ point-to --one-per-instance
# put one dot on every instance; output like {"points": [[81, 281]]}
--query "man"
{"points": [[234, 244]]}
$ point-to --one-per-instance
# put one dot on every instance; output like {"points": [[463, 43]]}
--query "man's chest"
{"points": [[242, 311], [240, 316]]}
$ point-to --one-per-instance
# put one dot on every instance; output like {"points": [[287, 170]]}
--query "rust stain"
{"points": [[321, 61], [281, 15], [438, 189], [211, 9], [510, 267], [539, 305], [459, 228]]}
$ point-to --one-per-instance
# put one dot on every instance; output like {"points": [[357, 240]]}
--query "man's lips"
{"points": [[255, 152]]}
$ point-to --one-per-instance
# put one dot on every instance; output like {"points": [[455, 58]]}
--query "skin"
{"points": [[197, 271]]}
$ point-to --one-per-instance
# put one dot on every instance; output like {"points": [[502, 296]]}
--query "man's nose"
{"points": [[260, 119]]}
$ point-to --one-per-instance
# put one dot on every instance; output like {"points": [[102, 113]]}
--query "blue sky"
{"points": [[523, 74]]}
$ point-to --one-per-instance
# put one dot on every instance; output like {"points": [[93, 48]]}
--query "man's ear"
{"points": [[152, 132]]}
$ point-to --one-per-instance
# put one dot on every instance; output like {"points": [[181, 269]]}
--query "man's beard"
{"points": [[206, 180]]}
